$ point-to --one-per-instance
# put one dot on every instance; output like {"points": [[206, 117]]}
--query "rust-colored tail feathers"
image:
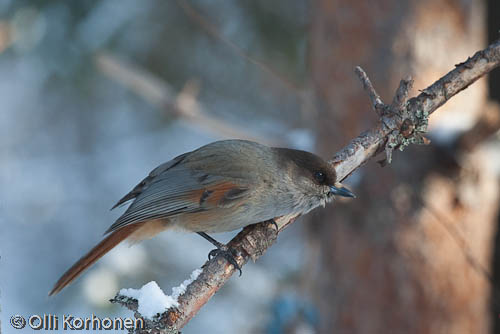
{"points": [[95, 254]]}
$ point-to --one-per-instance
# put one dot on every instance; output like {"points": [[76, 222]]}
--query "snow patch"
{"points": [[181, 289], [152, 300]]}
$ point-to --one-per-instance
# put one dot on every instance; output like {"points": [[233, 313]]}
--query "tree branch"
{"points": [[377, 103], [184, 104], [402, 123], [212, 30]]}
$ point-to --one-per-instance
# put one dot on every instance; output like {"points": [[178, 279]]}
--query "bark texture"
{"points": [[403, 257]]}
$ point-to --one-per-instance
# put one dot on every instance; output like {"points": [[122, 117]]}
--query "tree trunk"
{"points": [[406, 255]]}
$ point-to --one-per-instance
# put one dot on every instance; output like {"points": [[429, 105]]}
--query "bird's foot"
{"points": [[273, 222], [226, 252]]}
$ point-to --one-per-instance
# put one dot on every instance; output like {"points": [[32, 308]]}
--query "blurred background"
{"points": [[95, 94]]}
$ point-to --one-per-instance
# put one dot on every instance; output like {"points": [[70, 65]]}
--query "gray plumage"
{"points": [[258, 174]]}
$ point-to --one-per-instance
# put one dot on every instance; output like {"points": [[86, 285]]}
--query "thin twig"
{"points": [[455, 234], [212, 30], [402, 92], [377, 104], [366, 145], [460, 241]]}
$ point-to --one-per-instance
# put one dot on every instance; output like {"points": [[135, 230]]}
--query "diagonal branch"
{"points": [[182, 104], [212, 30], [377, 103], [402, 125]]}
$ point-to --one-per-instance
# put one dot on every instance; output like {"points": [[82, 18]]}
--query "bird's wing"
{"points": [[148, 180], [177, 189]]}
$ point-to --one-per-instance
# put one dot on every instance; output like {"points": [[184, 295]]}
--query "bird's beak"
{"points": [[340, 190]]}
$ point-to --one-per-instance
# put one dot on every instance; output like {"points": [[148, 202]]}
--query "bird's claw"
{"points": [[227, 253], [273, 222]]}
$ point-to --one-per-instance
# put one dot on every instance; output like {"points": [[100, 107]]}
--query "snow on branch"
{"points": [[403, 122]]}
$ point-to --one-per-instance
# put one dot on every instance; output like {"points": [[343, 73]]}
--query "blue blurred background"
{"points": [[90, 92]]}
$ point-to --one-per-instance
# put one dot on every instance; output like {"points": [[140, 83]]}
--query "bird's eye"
{"points": [[320, 177]]}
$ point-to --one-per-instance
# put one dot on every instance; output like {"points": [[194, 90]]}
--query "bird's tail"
{"points": [[95, 254]]}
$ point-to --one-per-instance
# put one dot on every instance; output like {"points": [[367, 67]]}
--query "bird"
{"points": [[222, 186]]}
